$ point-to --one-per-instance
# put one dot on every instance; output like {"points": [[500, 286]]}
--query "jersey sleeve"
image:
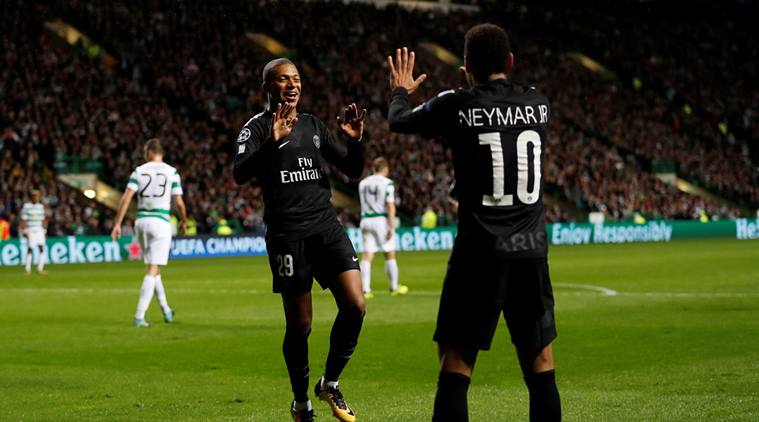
{"points": [[427, 119], [250, 147], [348, 160], [390, 192], [134, 182], [176, 184], [25, 212]]}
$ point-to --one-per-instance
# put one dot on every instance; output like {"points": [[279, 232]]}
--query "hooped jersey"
{"points": [[497, 133], [375, 192], [154, 184], [34, 215]]}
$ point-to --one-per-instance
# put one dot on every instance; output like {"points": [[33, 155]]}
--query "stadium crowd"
{"points": [[189, 75], [693, 80]]}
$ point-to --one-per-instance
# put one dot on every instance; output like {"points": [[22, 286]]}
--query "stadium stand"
{"points": [[189, 75]]}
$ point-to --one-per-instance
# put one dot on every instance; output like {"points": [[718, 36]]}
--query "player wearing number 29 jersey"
{"points": [[286, 152], [497, 132]]}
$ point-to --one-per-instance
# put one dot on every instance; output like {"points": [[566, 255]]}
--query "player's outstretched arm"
{"points": [[401, 117], [126, 198]]}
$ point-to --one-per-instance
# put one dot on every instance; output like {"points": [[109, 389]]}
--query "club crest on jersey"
{"points": [[317, 141], [244, 135]]}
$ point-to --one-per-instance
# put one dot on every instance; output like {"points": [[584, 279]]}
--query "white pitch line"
{"points": [[601, 289], [704, 295], [590, 288], [76, 290]]}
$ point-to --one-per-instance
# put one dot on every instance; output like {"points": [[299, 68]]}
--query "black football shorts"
{"points": [[295, 263], [480, 286]]}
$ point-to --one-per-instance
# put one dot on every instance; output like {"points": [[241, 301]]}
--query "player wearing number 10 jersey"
{"points": [[496, 131], [155, 183]]}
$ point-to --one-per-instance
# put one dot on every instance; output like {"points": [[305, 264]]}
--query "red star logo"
{"points": [[134, 251]]}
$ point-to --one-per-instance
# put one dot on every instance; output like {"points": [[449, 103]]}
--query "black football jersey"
{"points": [[290, 172], [497, 134]]}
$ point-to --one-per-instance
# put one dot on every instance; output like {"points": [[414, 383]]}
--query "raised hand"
{"points": [[282, 121], [402, 71], [352, 124]]}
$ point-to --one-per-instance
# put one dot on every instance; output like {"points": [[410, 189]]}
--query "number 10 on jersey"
{"points": [[525, 140]]}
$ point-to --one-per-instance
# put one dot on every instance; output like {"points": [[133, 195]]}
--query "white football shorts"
{"points": [[154, 237], [36, 238], [374, 235]]}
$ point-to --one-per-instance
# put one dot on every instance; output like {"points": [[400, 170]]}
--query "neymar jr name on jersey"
{"points": [[504, 116]]}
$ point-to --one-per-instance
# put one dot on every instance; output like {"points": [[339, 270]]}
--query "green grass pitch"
{"points": [[678, 342]]}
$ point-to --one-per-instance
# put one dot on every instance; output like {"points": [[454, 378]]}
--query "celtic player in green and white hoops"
{"points": [[154, 182], [377, 194], [33, 227]]}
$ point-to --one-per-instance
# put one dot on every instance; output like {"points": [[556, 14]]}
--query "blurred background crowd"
{"points": [[672, 93]]}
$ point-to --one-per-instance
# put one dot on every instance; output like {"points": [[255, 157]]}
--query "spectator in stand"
{"points": [[5, 228], [58, 102]]}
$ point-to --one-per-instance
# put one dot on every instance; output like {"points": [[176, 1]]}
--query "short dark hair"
{"points": [[487, 48], [268, 72], [379, 163], [154, 145]]}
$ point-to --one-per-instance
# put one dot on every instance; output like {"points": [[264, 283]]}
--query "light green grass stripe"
{"points": [[677, 343]]}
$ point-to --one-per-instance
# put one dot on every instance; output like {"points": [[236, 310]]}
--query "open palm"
{"points": [[352, 124], [402, 71]]}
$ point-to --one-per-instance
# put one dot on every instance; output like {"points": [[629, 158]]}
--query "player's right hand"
{"points": [[116, 233], [183, 227], [402, 71], [282, 121]]}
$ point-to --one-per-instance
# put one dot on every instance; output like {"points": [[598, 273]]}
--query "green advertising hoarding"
{"points": [[68, 250], [93, 249], [652, 231]]}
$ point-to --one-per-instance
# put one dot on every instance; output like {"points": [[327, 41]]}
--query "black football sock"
{"points": [[342, 341], [545, 404], [295, 349], [450, 400]]}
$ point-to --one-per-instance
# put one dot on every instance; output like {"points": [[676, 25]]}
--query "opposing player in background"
{"points": [[286, 151], [33, 227], [377, 195], [497, 132], [155, 183]]}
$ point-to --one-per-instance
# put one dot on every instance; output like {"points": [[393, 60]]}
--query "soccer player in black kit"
{"points": [[285, 151], [497, 133]]}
